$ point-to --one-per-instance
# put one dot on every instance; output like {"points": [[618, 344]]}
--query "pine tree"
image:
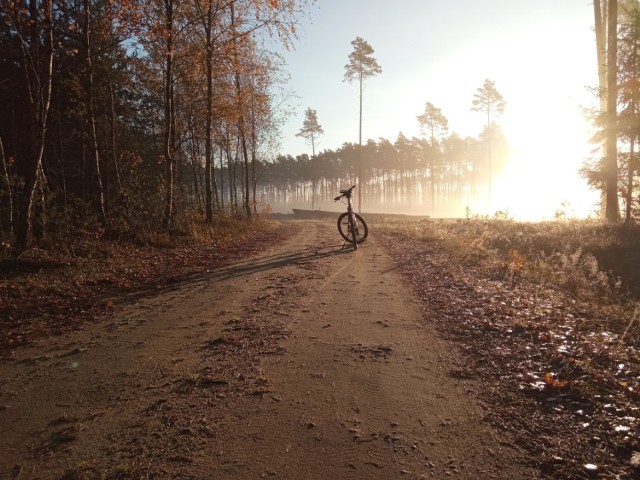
{"points": [[433, 122], [311, 131], [360, 67], [488, 100]]}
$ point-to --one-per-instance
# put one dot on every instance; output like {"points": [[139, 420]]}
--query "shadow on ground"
{"points": [[276, 261]]}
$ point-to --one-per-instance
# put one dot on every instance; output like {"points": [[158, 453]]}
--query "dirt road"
{"points": [[306, 362]]}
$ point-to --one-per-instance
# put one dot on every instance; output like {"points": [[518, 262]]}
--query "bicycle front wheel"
{"points": [[362, 231]]}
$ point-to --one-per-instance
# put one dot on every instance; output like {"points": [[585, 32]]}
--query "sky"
{"points": [[541, 56]]}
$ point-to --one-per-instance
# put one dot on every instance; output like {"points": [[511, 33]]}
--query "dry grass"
{"points": [[598, 265], [593, 267]]}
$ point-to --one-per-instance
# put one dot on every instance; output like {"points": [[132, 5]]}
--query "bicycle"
{"points": [[351, 226]]}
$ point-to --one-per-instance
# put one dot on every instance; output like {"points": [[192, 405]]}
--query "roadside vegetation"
{"points": [[546, 316], [596, 264]]}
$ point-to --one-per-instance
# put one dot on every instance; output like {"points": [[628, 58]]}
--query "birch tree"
{"points": [[33, 26]]}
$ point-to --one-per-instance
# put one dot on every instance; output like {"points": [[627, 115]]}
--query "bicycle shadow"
{"points": [[272, 262], [237, 270]]}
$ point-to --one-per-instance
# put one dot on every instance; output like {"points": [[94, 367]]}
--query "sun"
{"points": [[541, 178], [544, 124]]}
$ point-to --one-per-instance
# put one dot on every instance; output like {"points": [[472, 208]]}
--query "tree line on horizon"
{"points": [[407, 175], [614, 170]]}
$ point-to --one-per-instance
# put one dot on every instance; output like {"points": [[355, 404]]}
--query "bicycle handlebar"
{"points": [[344, 193]]}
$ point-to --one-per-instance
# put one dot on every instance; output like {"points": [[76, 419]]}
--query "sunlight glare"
{"points": [[544, 125], [541, 177]]}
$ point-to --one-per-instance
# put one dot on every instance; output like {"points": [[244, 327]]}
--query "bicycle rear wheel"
{"points": [[362, 231]]}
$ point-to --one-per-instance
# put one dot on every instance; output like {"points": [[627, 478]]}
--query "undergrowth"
{"points": [[597, 265], [94, 242]]}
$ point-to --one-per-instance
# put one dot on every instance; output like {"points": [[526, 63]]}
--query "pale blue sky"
{"points": [[438, 51], [541, 56]]}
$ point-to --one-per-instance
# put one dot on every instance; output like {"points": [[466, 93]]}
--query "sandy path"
{"points": [[307, 362]]}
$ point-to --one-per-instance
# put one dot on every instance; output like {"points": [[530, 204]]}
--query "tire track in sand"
{"points": [[362, 384]]}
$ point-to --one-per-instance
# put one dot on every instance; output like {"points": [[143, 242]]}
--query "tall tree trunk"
{"points": [[90, 111], [208, 167], [41, 207], [254, 182], [432, 173], [168, 118], [630, 172], [600, 16], [230, 175], [214, 185], [489, 167], [61, 160], [209, 122], [611, 162], [254, 148], [231, 172], [6, 197], [360, 180], [241, 115], [221, 176], [245, 154], [600, 10], [195, 153], [114, 150], [37, 66]]}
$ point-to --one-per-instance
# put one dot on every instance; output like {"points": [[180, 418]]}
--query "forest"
{"points": [[399, 176], [112, 114], [118, 117]]}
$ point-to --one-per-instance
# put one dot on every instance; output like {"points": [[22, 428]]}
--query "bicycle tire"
{"points": [[343, 227]]}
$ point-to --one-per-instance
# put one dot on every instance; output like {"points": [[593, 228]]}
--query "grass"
{"points": [[597, 265]]}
